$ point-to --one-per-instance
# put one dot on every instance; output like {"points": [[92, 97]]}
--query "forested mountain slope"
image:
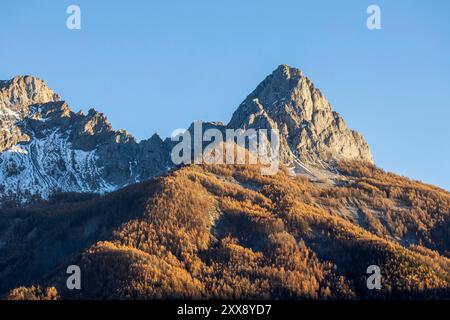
{"points": [[225, 231]]}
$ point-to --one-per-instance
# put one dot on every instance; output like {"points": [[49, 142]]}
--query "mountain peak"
{"points": [[18, 93], [287, 71], [44, 146], [310, 130]]}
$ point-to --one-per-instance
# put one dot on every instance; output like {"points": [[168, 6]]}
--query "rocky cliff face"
{"points": [[16, 96], [310, 130], [45, 147]]}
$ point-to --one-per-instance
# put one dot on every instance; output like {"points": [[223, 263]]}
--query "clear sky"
{"points": [[154, 66]]}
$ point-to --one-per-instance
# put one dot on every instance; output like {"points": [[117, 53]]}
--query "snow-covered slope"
{"points": [[47, 148], [48, 164]]}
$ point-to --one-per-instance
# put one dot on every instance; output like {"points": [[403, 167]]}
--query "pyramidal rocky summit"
{"points": [[46, 148]]}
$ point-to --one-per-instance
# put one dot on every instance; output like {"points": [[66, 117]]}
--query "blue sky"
{"points": [[154, 66]]}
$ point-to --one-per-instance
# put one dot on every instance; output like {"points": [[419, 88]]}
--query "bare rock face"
{"points": [[46, 148], [20, 92], [309, 129]]}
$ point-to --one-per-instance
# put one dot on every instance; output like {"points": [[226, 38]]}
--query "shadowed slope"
{"points": [[228, 232]]}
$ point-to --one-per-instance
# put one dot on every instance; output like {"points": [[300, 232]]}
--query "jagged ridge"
{"points": [[45, 147], [48, 148]]}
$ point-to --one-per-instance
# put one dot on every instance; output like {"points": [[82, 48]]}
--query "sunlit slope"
{"points": [[229, 232]]}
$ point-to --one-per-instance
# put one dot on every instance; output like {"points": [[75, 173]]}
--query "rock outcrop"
{"points": [[309, 129], [16, 96], [45, 147]]}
